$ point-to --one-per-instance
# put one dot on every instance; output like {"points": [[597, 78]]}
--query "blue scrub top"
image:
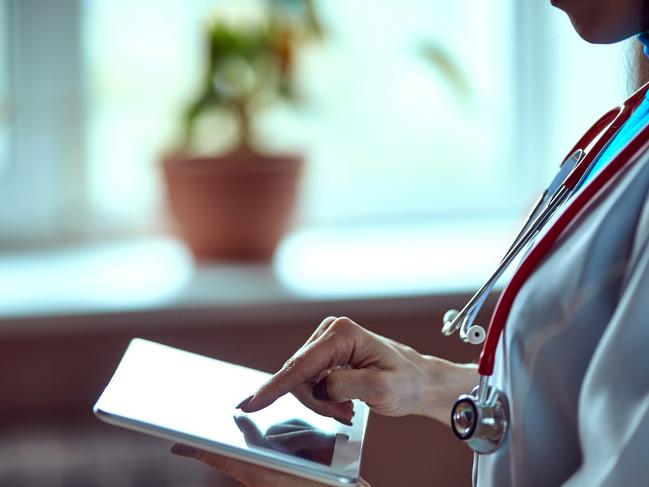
{"points": [[638, 119]]}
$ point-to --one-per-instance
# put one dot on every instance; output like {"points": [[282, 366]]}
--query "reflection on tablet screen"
{"points": [[293, 437]]}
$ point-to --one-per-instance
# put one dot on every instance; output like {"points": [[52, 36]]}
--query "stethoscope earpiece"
{"points": [[476, 335], [473, 334], [450, 316]]}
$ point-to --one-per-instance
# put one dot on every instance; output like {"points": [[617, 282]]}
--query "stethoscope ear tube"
{"points": [[546, 205], [578, 204], [463, 320]]}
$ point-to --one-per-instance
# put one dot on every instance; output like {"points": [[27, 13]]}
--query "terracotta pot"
{"points": [[236, 206]]}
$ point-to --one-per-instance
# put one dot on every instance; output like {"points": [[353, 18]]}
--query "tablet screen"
{"points": [[190, 398]]}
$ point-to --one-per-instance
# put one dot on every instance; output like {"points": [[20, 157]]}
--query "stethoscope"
{"points": [[481, 417]]}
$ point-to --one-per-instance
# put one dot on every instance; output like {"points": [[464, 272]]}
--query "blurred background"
{"points": [[222, 174]]}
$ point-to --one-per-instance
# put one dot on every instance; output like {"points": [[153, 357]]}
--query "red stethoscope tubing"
{"points": [[614, 119]]}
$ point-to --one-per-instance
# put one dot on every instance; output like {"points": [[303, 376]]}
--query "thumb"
{"points": [[368, 385]]}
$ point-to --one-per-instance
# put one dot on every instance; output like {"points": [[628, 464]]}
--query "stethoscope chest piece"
{"points": [[481, 419]]}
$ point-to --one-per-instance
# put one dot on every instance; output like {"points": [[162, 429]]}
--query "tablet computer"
{"points": [[188, 398]]}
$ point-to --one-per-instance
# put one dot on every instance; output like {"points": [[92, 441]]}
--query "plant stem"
{"points": [[243, 122]]}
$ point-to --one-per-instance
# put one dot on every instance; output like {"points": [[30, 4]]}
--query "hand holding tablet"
{"points": [[340, 372], [191, 400]]}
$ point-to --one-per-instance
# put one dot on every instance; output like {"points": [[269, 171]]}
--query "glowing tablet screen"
{"points": [[191, 398]]}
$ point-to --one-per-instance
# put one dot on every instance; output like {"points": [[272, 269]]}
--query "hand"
{"points": [[248, 474], [343, 361]]}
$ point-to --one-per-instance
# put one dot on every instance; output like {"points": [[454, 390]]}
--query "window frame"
{"points": [[42, 197]]}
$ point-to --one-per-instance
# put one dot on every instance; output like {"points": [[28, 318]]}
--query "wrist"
{"points": [[444, 381]]}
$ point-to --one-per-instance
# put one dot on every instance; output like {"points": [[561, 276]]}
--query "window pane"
{"points": [[399, 106], [398, 130], [413, 109], [139, 76]]}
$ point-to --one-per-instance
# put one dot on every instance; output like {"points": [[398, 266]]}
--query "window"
{"points": [[472, 129], [382, 119], [42, 191]]}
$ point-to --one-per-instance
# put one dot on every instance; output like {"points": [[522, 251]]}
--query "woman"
{"points": [[573, 359]]}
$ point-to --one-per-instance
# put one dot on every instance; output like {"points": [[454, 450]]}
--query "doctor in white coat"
{"points": [[574, 358]]}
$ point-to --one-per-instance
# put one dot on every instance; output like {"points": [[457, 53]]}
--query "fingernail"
{"points": [[244, 402], [344, 421], [320, 391], [185, 450]]}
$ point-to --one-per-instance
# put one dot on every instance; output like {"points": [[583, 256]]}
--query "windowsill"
{"points": [[322, 265]]}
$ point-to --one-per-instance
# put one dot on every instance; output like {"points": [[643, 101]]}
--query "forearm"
{"points": [[445, 381]]}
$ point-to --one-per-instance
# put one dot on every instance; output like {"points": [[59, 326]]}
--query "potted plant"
{"points": [[239, 203]]}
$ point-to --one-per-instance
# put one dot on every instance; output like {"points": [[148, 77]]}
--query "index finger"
{"points": [[325, 353]]}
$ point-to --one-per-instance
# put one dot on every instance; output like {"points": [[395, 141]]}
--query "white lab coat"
{"points": [[574, 358]]}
